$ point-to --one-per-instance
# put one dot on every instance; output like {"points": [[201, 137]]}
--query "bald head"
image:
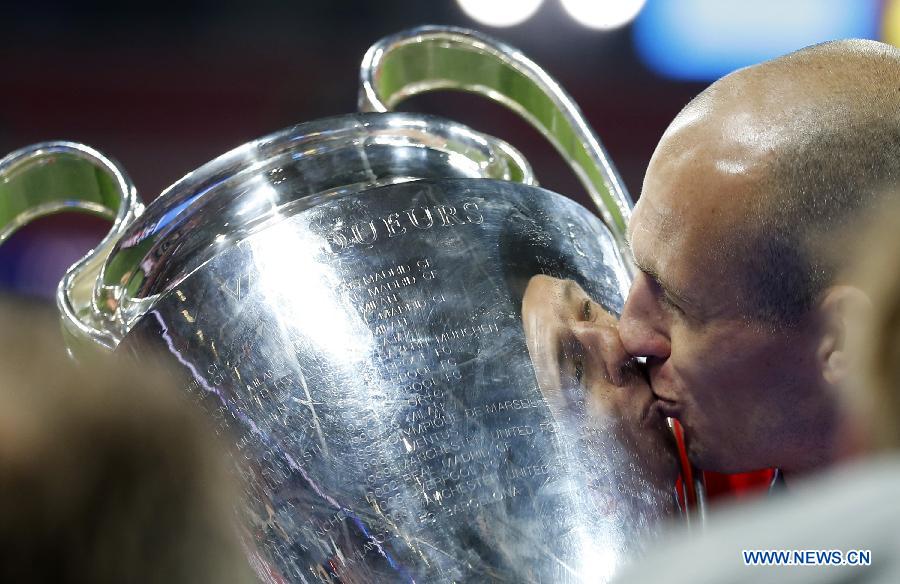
{"points": [[782, 155], [782, 101]]}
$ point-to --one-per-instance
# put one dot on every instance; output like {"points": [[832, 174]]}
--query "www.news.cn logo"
{"points": [[807, 557]]}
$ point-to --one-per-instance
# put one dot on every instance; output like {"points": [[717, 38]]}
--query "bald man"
{"points": [[737, 306]]}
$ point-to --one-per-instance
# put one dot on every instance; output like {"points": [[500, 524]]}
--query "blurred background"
{"points": [[164, 87]]}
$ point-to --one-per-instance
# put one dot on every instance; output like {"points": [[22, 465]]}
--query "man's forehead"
{"points": [[697, 191], [653, 223], [653, 237]]}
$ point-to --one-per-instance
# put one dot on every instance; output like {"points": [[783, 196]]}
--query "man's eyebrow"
{"points": [[568, 290], [668, 289]]}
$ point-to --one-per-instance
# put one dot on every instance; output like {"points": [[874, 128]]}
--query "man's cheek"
{"points": [[699, 370]]}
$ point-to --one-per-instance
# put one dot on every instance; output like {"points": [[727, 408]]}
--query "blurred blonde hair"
{"points": [[107, 474], [878, 274]]}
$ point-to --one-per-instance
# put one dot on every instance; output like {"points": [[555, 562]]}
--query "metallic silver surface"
{"points": [[238, 193], [367, 356], [225, 199], [430, 58], [52, 177]]}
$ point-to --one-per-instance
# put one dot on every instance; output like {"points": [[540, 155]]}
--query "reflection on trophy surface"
{"points": [[586, 377], [383, 393], [387, 334]]}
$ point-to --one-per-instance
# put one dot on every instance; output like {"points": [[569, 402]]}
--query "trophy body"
{"points": [[367, 356], [345, 299]]}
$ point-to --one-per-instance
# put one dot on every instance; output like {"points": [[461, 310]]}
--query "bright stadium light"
{"points": [[499, 13], [890, 28], [701, 40], [603, 14]]}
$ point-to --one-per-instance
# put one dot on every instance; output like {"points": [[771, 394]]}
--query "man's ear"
{"points": [[844, 311]]}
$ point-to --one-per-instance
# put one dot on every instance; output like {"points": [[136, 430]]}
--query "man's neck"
{"points": [[810, 465]]}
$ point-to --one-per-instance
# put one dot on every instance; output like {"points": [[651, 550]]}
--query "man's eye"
{"points": [[669, 302]]}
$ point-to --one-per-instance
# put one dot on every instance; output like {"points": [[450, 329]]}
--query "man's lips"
{"points": [[665, 407], [664, 401], [660, 406], [659, 396]]}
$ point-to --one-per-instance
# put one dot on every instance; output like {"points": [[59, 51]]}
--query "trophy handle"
{"points": [[54, 177], [431, 58]]}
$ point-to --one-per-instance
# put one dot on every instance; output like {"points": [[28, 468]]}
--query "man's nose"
{"points": [[643, 326]]}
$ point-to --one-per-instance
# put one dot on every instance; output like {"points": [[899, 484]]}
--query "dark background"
{"points": [[163, 88]]}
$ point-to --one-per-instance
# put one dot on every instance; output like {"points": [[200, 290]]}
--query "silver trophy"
{"points": [[345, 298]]}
